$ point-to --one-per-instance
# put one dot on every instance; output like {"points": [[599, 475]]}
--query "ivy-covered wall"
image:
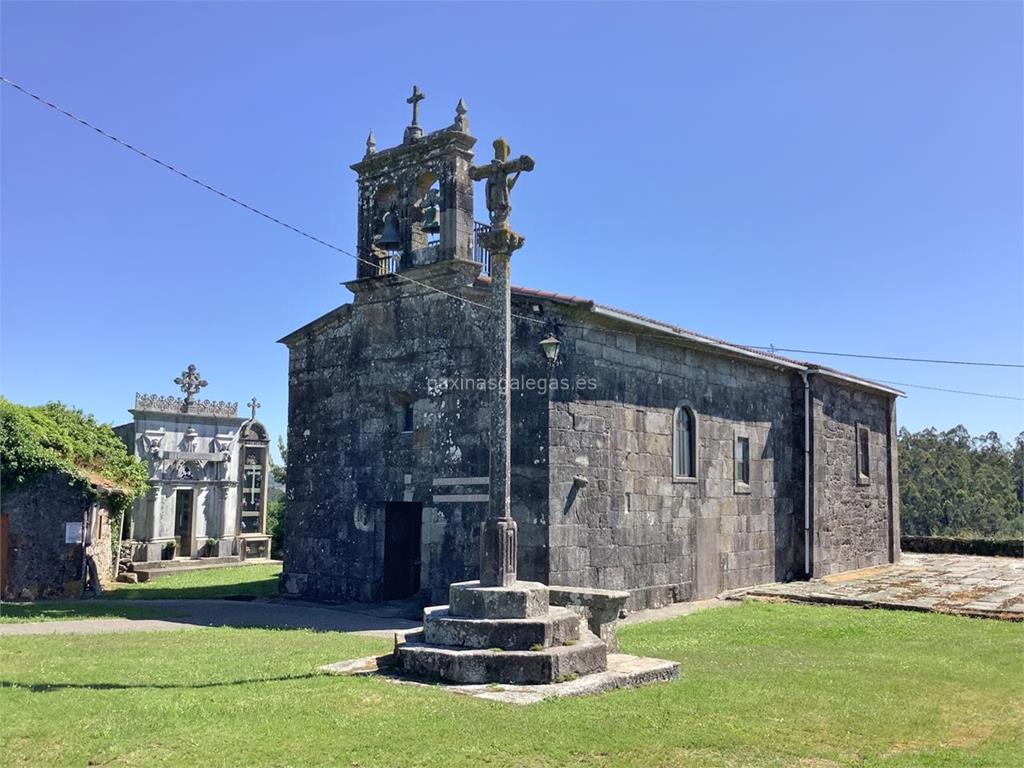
{"points": [[56, 465], [37, 439]]}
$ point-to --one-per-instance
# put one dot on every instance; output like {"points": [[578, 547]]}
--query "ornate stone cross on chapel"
{"points": [[415, 99], [414, 132], [498, 548], [253, 405], [190, 382]]}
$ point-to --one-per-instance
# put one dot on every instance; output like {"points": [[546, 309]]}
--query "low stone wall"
{"points": [[948, 545]]}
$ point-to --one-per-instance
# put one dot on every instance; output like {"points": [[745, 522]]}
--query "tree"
{"points": [[276, 500], [953, 484]]}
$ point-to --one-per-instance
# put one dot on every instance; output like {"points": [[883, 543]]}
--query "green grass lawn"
{"points": [[251, 580], [763, 685]]}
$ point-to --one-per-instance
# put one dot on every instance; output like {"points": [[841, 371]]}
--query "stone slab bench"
{"points": [[160, 568], [601, 608]]}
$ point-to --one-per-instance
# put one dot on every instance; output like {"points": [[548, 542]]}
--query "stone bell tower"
{"points": [[416, 199]]}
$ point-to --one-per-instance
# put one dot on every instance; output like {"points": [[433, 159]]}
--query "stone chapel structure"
{"points": [[208, 474], [644, 456]]}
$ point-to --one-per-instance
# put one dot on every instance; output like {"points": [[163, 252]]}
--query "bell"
{"points": [[432, 212], [432, 220], [390, 235]]}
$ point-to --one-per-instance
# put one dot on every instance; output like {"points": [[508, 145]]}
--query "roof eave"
{"points": [[863, 383], [312, 324]]}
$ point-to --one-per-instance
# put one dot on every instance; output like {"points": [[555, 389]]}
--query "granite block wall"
{"points": [[350, 379], [38, 562], [633, 526], [593, 490], [856, 520]]}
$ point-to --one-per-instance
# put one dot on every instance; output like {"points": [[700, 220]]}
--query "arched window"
{"points": [[684, 443]]}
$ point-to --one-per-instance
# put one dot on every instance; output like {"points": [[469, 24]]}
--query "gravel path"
{"points": [[382, 620], [192, 614]]}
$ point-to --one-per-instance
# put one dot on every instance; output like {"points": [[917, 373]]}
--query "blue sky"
{"points": [[826, 176]]}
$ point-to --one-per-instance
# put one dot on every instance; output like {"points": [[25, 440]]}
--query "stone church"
{"points": [[644, 456]]}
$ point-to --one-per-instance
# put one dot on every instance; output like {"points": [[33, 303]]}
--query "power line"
{"points": [[230, 198], [953, 391], [406, 278], [886, 357]]}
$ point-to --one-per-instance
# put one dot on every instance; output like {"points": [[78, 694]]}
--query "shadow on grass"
{"points": [[249, 590], [63, 610], [54, 687]]}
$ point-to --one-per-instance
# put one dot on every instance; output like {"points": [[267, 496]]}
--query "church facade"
{"points": [[644, 457], [208, 472]]}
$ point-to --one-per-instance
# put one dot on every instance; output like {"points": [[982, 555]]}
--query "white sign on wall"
{"points": [[73, 533]]}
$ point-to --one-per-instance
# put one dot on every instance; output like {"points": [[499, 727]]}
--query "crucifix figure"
{"points": [[253, 405], [498, 537], [190, 382], [501, 174], [415, 99]]}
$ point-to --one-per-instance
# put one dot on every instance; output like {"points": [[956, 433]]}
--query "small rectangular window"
{"points": [[742, 461], [407, 418], [863, 454]]}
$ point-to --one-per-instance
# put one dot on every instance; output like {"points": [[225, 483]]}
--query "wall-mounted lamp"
{"points": [[550, 345]]}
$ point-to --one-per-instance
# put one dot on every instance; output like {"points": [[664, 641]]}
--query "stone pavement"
{"points": [[989, 587], [382, 620], [674, 611]]}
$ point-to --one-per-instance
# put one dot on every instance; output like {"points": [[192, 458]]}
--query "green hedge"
{"points": [[951, 545], [54, 437]]}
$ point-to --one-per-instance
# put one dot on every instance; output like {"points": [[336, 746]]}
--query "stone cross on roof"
{"points": [[414, 133], [253, 405], [415, 99], [190, 382]]}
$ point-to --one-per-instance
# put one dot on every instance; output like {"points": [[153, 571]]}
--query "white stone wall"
{"points": [[211, 457]]}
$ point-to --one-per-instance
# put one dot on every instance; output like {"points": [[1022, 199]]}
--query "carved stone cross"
{"points": [[190, 382], [498, 535], [253, 405], [415, 99], [501, 174]]}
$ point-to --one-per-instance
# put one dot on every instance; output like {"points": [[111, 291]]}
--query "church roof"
{"points": [[743, 350], [642, 321]]}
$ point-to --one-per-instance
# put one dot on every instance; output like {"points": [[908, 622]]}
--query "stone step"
{"points": [[522, 600], [474, 665], [557, 627]]}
